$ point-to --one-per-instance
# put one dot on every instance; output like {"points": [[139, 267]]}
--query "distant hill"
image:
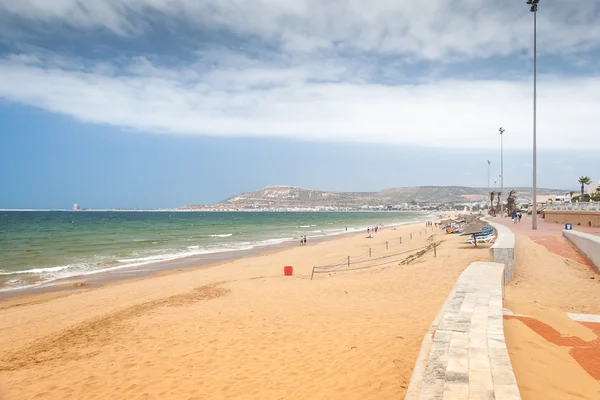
{"points": [[291, 196]]}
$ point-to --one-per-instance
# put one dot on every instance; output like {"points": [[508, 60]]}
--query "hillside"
{"points": [[291, 196]]}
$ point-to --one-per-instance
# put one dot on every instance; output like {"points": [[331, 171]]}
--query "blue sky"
{"points": [[161, 103]]}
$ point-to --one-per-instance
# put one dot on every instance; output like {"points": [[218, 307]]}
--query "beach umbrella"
{"points": [[472, 230]]}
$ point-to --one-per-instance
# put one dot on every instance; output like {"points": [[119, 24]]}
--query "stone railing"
{"points": [[503, 250], [587, 244], [464, 354], [585, 206]]}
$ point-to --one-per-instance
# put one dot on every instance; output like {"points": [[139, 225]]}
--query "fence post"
{"points": [[400, 239], [369, 252], [419, 233], [386, 245], [348, 260], [313, 272], [434, 249], [411, 235]]}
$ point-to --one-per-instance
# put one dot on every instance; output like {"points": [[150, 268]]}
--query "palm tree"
{"points": [[492, 195], [583, 180], [498, 203], [510, 201], [596, 196]]}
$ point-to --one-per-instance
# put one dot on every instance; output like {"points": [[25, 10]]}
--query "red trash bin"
{"points": [[288, 271]]}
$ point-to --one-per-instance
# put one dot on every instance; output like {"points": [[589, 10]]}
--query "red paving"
{"points": [[561, 246], [587, 354]]}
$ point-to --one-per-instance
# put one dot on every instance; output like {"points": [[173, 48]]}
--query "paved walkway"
{"points": [[550, 236], [467, 357], [544, 228]]}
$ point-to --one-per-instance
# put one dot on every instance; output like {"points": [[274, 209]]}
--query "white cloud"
{"points": [[290, 102], [317, 81], [432, 29]]}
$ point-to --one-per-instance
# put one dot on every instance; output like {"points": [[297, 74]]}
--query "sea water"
{"points": [[40, 247]]}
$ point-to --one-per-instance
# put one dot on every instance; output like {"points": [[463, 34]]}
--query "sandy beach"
{"points": [[238, 330]]}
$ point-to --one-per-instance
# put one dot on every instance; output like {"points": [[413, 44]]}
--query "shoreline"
{"points": [[242, 330], [209, 260], [221, 211]]}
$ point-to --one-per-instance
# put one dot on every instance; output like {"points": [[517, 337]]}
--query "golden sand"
{"points": [[238, 330], [546, 347]]}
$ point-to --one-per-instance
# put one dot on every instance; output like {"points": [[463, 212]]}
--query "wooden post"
{"points": [[369, 252], [434, 249], [411, 235], [348, 260], [400, 239], [386, 245], [313, 272], [419, 233]]}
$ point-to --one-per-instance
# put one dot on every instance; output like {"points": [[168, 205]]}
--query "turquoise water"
{"points": [[37, 247]]}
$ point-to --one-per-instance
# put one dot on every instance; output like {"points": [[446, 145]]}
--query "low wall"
{"points": [[464, 354], [587, 244], [574, 217], [503, 250]]}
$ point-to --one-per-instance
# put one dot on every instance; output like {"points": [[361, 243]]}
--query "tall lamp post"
{"points": [[501, 130], [489, 162], [533, 9]]}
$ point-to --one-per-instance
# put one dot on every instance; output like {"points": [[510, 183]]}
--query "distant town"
{"points": [[423, 199]]}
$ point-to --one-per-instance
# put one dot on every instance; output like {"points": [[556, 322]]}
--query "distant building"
{"points": [[76, 207]]}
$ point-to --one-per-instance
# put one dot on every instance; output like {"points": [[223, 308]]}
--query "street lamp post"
{"points": [[501, 130], [489, 162], [533, 9]]}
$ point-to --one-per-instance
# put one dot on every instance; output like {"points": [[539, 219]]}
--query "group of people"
{"points": [[303, 241], [375, 229], [516, 217], [430, 223]]}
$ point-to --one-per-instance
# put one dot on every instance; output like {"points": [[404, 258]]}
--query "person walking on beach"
{"points": [[305, 240]]}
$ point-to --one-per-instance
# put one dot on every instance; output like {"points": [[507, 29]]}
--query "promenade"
{"points": [[552, 314]]}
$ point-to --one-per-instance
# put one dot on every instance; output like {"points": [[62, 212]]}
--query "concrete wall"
{"points": [[574, 217], [503, 250], [588, 244]]}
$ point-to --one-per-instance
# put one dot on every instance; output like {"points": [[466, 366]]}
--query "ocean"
{"points": [[44, 247]]}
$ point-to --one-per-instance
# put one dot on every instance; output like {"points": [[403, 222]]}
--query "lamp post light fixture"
{"points": [[533, 9], [501, 130]]}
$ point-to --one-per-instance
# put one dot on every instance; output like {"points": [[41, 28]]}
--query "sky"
{"points": [[161, 103]]}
